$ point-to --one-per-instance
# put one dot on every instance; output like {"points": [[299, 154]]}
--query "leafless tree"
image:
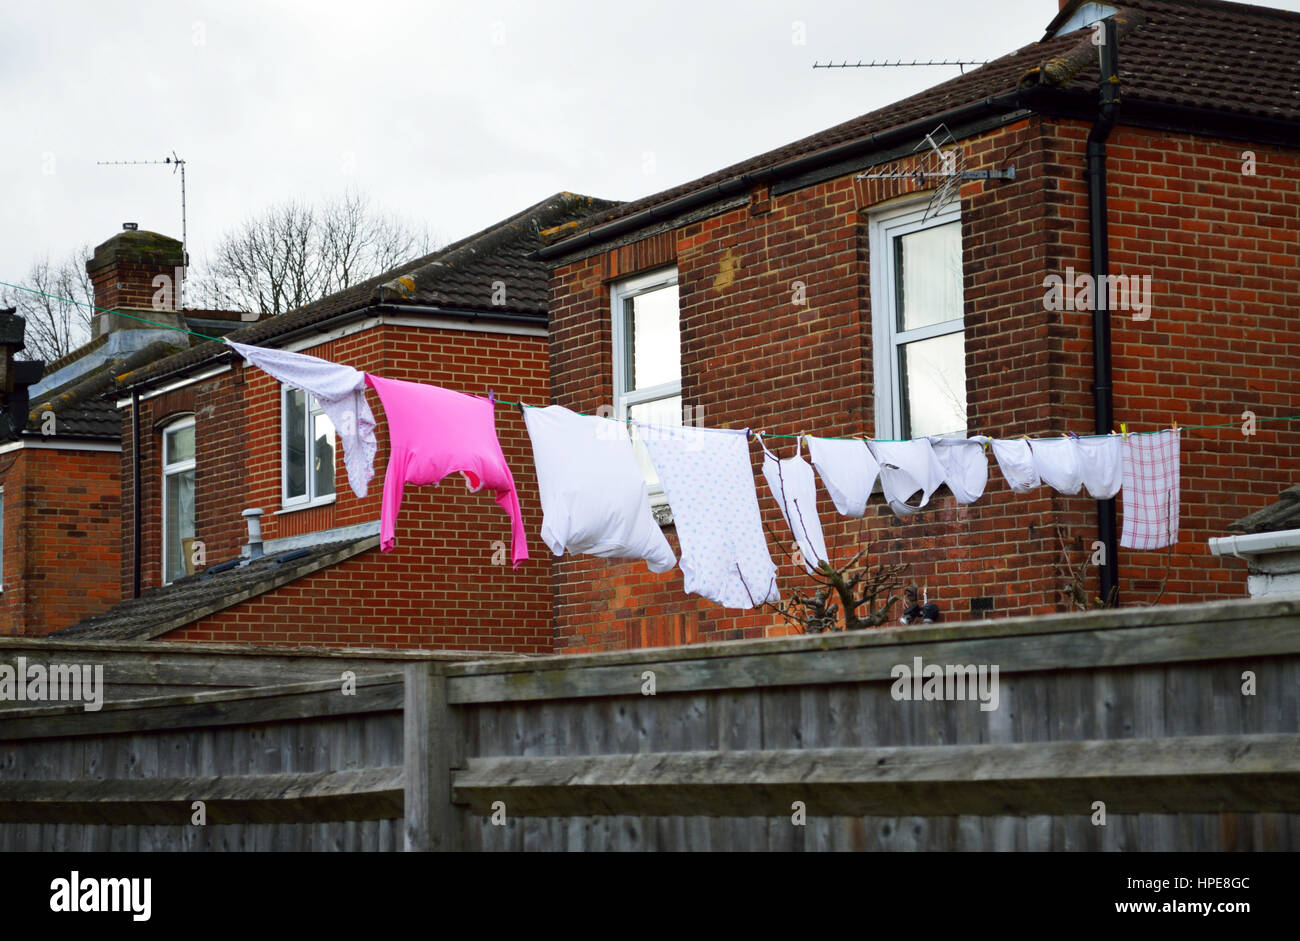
{"points": [[57, 305], [843, 588], [294, 253]]}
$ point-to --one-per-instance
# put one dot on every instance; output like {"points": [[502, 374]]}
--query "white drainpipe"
{"points": [[1255, 543]]}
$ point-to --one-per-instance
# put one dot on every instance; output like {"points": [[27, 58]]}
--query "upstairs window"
{"points": [[307, 458], [178, 500], [647, 356], [917, 304]]}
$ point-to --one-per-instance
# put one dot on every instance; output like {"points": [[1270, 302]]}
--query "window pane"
{"points": [[179, 499], [322, 455], [934, 385], [654, 338], [180, 445], [295, 443], [663, 412], [929, 276]]}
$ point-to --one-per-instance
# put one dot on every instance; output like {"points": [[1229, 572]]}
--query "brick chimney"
{"points": [[136, 271]]}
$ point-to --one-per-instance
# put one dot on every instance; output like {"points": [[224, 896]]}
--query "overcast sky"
{"points": [[453, 114]]}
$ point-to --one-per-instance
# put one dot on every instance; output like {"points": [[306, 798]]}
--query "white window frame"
{"points": [[178, 467], [624, 399], [884, 227], [309, 498]]}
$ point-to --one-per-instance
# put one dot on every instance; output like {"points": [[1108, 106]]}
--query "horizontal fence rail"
{"points": [[1180, 722]]}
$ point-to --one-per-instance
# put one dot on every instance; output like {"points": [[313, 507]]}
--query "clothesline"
{"points": [[766, 434], [595, 500], [771, 434], [68, 300]]}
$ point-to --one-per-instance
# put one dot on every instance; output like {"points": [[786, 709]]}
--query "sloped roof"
{"points": [[1232, 57], [1229, 57], [187, 599], [460, 276], [80, 408], [1284, 513]]}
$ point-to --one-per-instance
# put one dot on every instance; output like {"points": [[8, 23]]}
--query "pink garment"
{"points": [[434, 432]]}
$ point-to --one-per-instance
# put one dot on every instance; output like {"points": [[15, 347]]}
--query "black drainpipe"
{"points": [[135, 490], [1103, 397]]}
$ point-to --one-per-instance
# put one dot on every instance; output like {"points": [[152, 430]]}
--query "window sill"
{"points": [[294, 508]]}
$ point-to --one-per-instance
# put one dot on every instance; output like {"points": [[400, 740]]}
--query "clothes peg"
{"points": [[520, 403], [1123, 427], [1175, 428], [492, 396]]}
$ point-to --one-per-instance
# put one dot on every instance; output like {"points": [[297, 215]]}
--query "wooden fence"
{"points": [[1179, 724]]}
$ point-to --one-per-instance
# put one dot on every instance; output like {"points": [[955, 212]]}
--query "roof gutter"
{"points": [[860, 148], [1255, 543], [324, 326], [470, 315], [1094, 173]]}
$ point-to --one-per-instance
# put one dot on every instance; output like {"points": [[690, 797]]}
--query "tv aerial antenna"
{"points": [[176, 163], [897, 63], [937, 161]]}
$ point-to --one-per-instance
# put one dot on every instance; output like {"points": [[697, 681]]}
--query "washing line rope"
{"points": [[204, 336], [68, 300]]}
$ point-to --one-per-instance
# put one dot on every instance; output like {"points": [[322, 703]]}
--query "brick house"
{"points": [[217, 437], [778, 279], [60, 486]]}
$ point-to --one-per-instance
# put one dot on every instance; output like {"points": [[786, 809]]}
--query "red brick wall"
{"points": [[13, 601], [416, 596], [439, 587], [61, 518], [1221, 249]]}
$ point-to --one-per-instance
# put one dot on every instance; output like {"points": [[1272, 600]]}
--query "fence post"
{"points": [[429, 745]]}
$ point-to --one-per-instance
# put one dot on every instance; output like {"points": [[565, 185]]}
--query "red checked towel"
{"points": [[1151, 486]]}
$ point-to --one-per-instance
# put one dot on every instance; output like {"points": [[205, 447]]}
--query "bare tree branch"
{"points": [[58, 308], [293, 254]]}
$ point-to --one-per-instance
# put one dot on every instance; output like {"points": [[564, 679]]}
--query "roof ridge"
{"points": [[102, 380], [809, 144], [269, 330], [72, 356], [530, 221], [1158, 32], [1059, 70]]}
